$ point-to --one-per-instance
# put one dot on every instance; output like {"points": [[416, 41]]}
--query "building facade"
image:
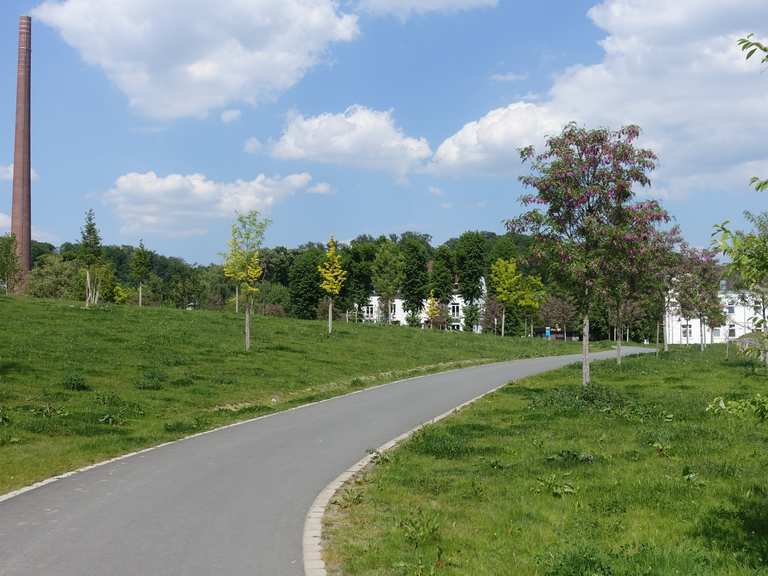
{"points": [[741, 311], [372, 312]]}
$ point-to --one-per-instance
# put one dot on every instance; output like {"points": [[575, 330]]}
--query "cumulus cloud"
{"points": [[230, 115], [178, 58], [182, 205], [358, 137], [405, 8], [321, 188], [671, 67]]}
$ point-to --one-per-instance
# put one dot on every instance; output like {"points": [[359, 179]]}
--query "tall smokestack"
{"points": [[21, 213]]}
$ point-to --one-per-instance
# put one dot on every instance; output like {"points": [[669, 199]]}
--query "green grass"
{"points": [[78, 386], [633, 478]]}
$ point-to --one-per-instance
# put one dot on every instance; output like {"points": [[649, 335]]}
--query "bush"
{"points": [[75, 382]]}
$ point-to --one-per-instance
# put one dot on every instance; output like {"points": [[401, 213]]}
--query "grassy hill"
{"points": [[78, 386], [633, 477]]}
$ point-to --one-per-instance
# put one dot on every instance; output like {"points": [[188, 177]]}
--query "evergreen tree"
{"points": [[90, 257]]}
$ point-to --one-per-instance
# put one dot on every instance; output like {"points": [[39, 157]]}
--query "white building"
{"points": [[373, 313], [741, 312]]}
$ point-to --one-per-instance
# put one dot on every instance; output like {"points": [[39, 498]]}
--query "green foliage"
{"points": [[9, 263], [141, 263], [388, 273], [305, 283], [241, 263], [75, 381], [55, 277], [442, 280], [331, 271], [89, 251], [415, 285], [471, 261]]}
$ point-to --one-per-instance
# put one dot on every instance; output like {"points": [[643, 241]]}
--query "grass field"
{"points": [[78, 386], [633, 478]]}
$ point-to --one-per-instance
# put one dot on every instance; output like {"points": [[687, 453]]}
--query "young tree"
{"points": [[388, 274], [241, 264], [9, 262], [582, 183], [531, 296], [90, 257], [141, 260], [506, 281], [558, 311], [333, 278], [433, 310], [697, 287]]}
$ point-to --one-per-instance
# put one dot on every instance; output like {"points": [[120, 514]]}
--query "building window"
{"points": [[368, 311], [723, 285], [732, 331], [455, 310], [393, 309], [686, 331], [731, 308], [716, 332]]}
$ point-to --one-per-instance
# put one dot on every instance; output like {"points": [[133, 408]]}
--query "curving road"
{"points": [[232, 501]]}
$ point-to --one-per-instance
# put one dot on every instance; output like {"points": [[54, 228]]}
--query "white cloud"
{"points": [[253, 146], [358, 137], [405, 8], [230, 115], [6, 173], [182, 205], [508, 77], [177, 58], [446, 205], [671, 67], [435, 191], [321, 188]]}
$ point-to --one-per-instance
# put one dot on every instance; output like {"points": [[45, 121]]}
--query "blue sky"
{"points": [[365, 116]]}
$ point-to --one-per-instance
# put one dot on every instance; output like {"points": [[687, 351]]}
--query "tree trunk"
{"points": [[565, 332], [618, 341], [666, 329], [525, 326], [503, 320], [330, 316], [247, 326], [701, 335], [87, 287], [237, 299], [585, 380], [140, 296], [657, 339]]}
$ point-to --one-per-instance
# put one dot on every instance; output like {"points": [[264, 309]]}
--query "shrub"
{"points": [[75, 382]]}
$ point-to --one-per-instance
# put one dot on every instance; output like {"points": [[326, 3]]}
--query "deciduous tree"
{"points": [[333, 276], [9, 262], [141, 261], [241, 264], [582, 183], [388, 274]]}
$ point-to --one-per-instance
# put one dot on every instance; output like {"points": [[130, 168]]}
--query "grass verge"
{"points": [[633, 477], [78, 386]]}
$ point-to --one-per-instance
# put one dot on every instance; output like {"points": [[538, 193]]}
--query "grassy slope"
{"points": [[649, 482], [158, 374]]}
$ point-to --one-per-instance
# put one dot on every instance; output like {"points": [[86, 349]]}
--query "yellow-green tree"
{"points": [[241, 263], [530, 297], [333, 276], [506, 281], [433, 309]]}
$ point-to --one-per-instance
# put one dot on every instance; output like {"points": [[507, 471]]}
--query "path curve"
{"points": [[232, 501]]}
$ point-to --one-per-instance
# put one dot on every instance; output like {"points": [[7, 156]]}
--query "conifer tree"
{"points": [[140, 267]]}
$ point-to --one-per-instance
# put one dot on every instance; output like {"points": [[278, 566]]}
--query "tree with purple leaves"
{"points": [[582, 185]]}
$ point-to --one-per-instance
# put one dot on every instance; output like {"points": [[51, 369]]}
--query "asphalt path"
{"points": [[232, 501]]}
